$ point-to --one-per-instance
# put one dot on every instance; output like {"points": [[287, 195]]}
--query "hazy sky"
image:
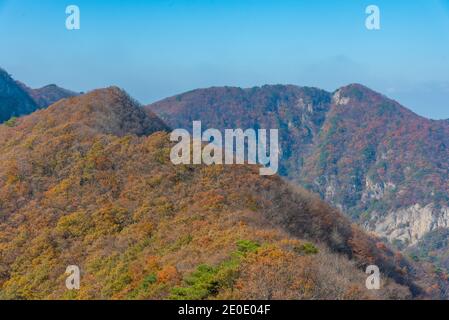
{"points": [[155, 49]]}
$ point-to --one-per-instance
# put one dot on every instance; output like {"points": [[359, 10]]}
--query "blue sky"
{"points": [[155, 49]]}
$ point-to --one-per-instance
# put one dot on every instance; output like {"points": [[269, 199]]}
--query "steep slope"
{"points": [[384, 164], [89, 182], [298, 113], [377, 161], [14, 101], [48, 95]]}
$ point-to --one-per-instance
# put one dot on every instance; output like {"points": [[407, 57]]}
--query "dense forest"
{"points": [[378, 162], [89, 182]]}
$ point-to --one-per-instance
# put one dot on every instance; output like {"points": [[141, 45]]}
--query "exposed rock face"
{"points": [[338, 99], [375, 190], [410, 224]]}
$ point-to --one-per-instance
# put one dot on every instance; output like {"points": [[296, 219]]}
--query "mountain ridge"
{"points": [[355, 147], [48, 94], [88, 181], [108, 111]]}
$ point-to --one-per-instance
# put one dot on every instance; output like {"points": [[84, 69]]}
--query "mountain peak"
{"points": [[5, 76], [51, 85], [356, 86], [49, 94], [267, 99], [109, 111], [3, 71], [362, 99], [355, 92]]}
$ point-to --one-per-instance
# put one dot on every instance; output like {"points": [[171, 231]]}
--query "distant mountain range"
{"points": [[16, 99], [377, 161], [47, 95], [88, 181]]}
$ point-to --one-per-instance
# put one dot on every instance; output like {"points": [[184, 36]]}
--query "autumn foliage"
{"points": [[88, 182]]}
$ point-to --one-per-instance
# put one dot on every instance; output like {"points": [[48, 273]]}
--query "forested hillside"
{"points": [[384, 166], [88, 182]]}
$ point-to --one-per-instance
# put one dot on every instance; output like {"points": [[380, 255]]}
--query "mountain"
{"points": [[48, 95], [17, 99], [377, 161], [14, 101], [88, 182]]}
